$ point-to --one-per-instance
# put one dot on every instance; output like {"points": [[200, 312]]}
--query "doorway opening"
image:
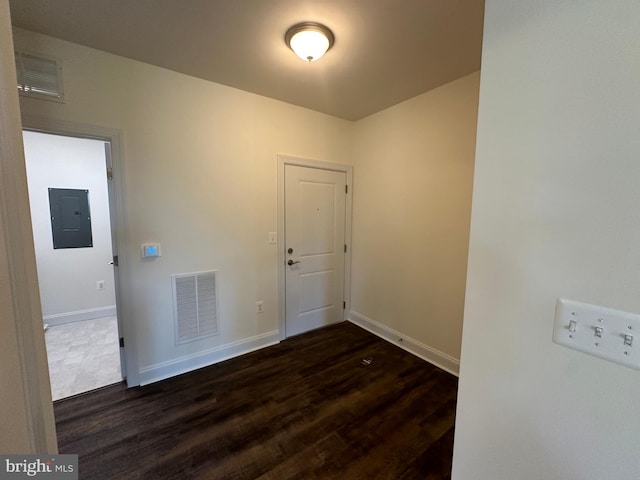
{"points": [[73, 232]]}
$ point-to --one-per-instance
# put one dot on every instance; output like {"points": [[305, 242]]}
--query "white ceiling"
{"points": [[385, 51]]}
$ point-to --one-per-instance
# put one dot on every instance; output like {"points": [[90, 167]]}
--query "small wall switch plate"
{"points": [[273, 238], [606, 333]]}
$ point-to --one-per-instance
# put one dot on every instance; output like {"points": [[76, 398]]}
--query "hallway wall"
{"points": [[555, 215], [26, 412]]}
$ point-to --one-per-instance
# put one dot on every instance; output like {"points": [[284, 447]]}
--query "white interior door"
{"points": [[315, 202]]}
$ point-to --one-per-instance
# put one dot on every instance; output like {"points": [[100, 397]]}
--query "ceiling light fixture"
{"points": [[309, 40]]}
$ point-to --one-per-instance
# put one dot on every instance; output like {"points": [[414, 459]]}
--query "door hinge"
{"points": [[346, 189], [344, 305], [345, 248], [109, 173], [121, 342], [115, 260]]}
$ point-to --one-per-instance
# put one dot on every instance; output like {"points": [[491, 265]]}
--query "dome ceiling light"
{"points": [[309, 40]]}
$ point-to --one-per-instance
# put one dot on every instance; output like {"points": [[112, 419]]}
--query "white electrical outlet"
{"points": [[606, 333], [259, 306], [100, 285]]}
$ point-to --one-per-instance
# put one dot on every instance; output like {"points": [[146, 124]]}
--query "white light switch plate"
{"points": [[606, 333]]}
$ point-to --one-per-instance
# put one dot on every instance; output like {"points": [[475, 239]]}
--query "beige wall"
{"points": [[200, 178], [26, 412], [555, 214], [412, 203]]}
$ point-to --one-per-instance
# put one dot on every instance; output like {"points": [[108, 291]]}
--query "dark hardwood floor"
{"points": [[308, 408]]}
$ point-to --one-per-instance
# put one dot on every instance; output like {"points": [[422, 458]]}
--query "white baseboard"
{"points": [[79, 315], [419, 349], [163, 370]]}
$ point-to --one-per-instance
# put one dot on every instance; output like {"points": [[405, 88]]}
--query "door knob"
{"points": [[291, 262]]}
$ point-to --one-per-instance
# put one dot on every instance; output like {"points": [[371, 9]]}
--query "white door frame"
{"points": [[283, 161], [118, 225]]}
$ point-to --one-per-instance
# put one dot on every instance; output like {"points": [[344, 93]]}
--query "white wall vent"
{"points": [[195, 305], [39, 77]]}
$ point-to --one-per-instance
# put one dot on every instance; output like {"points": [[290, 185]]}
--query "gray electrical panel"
{"points": [[70, 218]]}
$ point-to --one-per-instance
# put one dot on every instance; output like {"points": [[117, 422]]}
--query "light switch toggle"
{"points": [[599, 331]]}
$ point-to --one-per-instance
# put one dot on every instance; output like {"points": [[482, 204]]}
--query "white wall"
{"points": [[68, 277], [200, 176], [412, 205], [555, 214]]}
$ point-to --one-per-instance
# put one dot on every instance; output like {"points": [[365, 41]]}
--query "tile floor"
{"points": [[83, 356]]}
